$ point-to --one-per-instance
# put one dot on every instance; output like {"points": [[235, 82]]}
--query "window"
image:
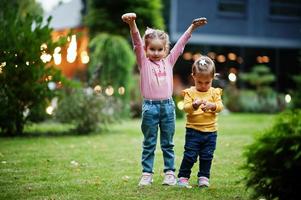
{"points": [[232, 7], [289, 9]]}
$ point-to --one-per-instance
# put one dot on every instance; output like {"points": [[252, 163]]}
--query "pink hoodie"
{"points": [[156, 77]]}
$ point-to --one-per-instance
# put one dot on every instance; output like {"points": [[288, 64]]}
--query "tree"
{"points": [[112, 64], [100, 17], [260, 77], [23, 75]]}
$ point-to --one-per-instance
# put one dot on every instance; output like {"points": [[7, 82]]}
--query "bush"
{"points": [[87, 110], [248, 101], [274, 159], [23, 75]]}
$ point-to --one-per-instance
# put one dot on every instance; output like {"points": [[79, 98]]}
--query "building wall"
{"points": [[248, 28], [240, 22]]}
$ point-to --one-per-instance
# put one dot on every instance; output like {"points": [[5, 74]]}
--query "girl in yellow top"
{"points": [[202, 104]]}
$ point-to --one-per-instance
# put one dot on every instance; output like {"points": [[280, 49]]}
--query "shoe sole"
{"points": [[141, 185], [168, 184]]}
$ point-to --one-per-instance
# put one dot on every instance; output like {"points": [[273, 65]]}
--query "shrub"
{"points": [[274, 159], [23, 75], [87, 110], [248, 101]]}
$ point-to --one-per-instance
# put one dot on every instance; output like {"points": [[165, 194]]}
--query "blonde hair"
{"points": [[203, 65], [151, 34]]}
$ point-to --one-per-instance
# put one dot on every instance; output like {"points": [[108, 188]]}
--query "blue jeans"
{"points": [[158, 114], [198, 144]]}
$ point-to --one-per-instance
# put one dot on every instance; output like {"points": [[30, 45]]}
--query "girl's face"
{"points": [[202, 82], [155, 50]]}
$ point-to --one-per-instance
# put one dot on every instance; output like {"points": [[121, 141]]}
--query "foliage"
{"points": [[87, 110], [248, 101], [262, 99], [112, 63], [260, 77], [231, 97], [296, 100], [28, 6], [23, 76], [274, 159], [100, 17], [136, 98], [179, 113]]}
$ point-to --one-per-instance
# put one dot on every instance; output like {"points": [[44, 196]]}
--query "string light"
{"points": [[57, 57], [288, 98], [43, 47], [97, 89], [109, 91], [49, 110], [187, 56], [121, 90], [84, 57], [45, 57], [232, 77], [232, 56], [71, 51], [221, 58]]}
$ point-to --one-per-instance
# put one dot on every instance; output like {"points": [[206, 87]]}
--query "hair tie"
{"points": [[202, 62], [149, 31]]}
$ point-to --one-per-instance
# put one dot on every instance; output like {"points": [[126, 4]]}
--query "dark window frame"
{"points": [[276, 5], [234, 11]]}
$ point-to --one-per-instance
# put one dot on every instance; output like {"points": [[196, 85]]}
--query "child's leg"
{"points": [[206, 155], [149, 127], [167, 130], [191, 147]]}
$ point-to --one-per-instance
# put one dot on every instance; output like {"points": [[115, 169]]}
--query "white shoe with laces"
{"points": [[169, 178], [203, 181], [146, 179]]}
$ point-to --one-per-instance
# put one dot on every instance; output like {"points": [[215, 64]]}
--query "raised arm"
{"points": [[197, 23], [130, 18], [179, 46]]}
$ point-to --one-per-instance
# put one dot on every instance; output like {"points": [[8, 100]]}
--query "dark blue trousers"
{"points": [[198, 144]]}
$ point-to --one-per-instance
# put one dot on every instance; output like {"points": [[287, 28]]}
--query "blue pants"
{"points": [[158, 114], [198, 144]]}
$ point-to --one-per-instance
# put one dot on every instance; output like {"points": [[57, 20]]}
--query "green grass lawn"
{"points": [[107, 165]]}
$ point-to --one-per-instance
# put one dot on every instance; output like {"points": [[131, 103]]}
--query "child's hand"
{"points": [[207, 106], [199, 22], [196, 104], [128, 17]]}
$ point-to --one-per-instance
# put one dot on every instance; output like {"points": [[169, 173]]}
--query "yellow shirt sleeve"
{"points": [[188, 99], [217, 99]]}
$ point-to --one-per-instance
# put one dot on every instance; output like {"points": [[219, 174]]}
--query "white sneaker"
{"points": [[169, 178], [203, 181], [146, 179]]}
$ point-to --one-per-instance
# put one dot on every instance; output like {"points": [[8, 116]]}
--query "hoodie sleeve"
{"points": [[138, 48], [178, 49]]}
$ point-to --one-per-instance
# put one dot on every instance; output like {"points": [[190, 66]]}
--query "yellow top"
{"points": [[198, 119]]}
